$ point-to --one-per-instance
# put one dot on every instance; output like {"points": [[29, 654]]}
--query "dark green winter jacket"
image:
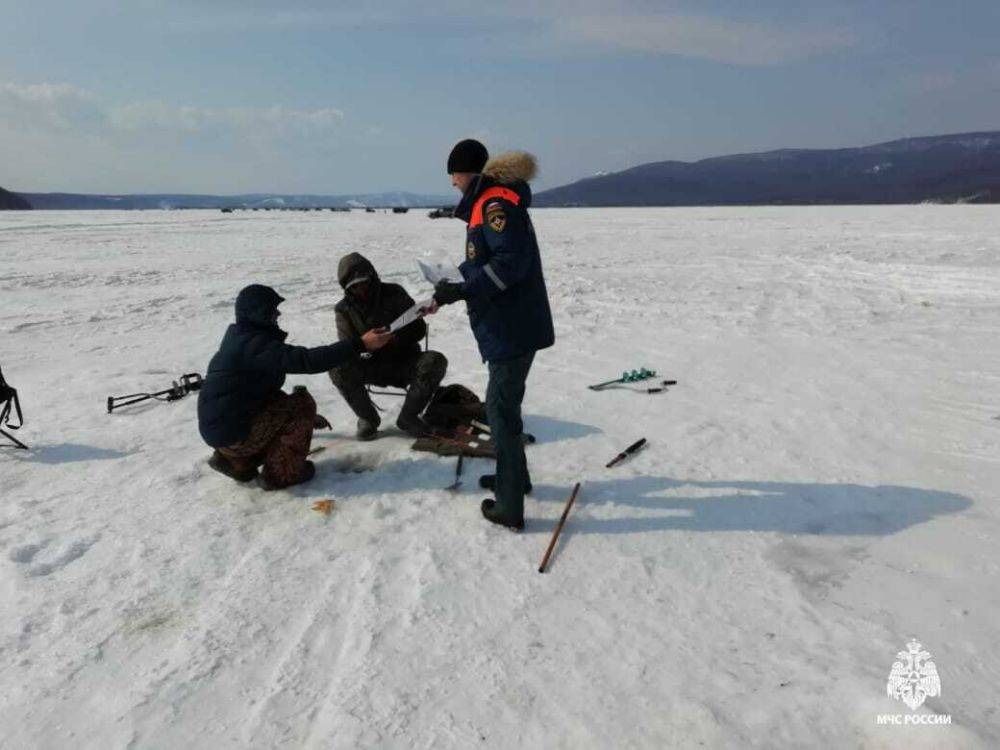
{"points": [[385, 303]]}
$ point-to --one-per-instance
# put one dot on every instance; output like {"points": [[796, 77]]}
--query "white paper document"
{"points": [[435, 272], [414, 313]]}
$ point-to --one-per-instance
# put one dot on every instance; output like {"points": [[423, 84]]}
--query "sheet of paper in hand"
{"points": [[435, 272], [414, 313]]}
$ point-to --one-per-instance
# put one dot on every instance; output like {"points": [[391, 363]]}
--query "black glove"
{"points": [[447, 292]]}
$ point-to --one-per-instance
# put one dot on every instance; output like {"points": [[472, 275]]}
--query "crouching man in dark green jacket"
{"points": [[242, 411], [371, 303]]}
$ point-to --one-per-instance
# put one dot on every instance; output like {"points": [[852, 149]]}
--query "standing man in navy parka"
{"points": [[508, 304]]}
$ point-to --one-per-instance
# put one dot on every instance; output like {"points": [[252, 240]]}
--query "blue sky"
{"points": [[224, 96]]}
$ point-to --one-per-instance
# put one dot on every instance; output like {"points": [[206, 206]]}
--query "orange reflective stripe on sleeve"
{"points": [[494, 192]]}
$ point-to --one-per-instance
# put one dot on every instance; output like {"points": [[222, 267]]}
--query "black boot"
{"points": [[490, 513], [348, 380], [223, 465], [412, 424], [489, 482], [368, 430], [409, 420], [268, 484], [430, 369]]}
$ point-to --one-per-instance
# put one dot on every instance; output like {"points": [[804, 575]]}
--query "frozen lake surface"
{"points": [[820, 487]]}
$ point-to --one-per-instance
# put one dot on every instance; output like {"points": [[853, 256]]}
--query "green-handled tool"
{"points": [[629, 376]]}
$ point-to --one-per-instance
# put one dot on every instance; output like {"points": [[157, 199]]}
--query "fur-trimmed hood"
{"points": [[512, 169], [511, 166]]}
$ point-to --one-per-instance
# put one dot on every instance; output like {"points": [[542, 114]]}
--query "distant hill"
{"points": [[12, 201], [79, 201], [947, 169]]}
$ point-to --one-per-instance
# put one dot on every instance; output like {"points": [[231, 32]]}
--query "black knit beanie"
{"points": [[468, 156]]}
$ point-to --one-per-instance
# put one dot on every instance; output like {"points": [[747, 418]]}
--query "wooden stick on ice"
{"points": [[555, 534]]}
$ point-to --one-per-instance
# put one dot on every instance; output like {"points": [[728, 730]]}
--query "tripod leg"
{"points": [[17, 443]]}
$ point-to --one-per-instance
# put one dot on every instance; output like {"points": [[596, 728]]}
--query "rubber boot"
{"points": [[409, 420], [241, 471], [368, 430], [429, 371], [348, 381], [490, 513], [308, 472], [489, 482]]}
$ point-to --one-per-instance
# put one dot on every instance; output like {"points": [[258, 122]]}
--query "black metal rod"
{"points": [[458, 474], [598, 386], [17, 443], [118, 402]]}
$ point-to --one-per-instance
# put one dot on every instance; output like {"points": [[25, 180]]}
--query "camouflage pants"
{"points": [[279, 438]]}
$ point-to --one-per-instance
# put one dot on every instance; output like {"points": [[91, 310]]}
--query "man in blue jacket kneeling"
{"points": [[242, 411]]}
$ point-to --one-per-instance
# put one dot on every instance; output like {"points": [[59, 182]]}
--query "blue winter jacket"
{"points": [[249, 369], [504, 287]]}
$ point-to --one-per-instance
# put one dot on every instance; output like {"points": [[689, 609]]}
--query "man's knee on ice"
{"points": [[344, 375], [432, 366], [304, 403]]}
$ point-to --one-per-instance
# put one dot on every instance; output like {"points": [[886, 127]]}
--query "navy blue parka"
{"points": [[249, 369], [504, 287]]}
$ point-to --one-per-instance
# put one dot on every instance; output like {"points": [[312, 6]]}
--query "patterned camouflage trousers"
{"points": [[279, 439]]}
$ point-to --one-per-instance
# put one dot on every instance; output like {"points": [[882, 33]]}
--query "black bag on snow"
{"points": [[452, 406]]}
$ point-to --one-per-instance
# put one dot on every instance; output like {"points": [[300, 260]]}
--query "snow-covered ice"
{"points": [[820, 487]]}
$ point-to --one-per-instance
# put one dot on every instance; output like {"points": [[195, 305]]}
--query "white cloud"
{"points": [[42, 93], [208, 19], [556, 27], [274, 120], [48, 105], [68, 108], [58, 136], [706, 37], [933, 82]]}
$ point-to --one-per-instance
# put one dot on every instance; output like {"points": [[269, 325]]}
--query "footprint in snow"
{"points": [[26, 555]]}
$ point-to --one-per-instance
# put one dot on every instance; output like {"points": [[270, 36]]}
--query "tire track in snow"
{"points": [[300, 676]]}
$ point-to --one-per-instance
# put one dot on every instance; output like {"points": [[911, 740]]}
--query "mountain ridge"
{"points": [[963, 167], [955, 168], [13, 202], [153, 201]]}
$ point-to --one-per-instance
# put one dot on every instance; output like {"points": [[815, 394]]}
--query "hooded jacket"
{"points": [[504, 286], [385, 303], [249, 369]]}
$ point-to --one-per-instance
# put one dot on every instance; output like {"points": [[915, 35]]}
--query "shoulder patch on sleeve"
{"points": [[496, 216]]}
